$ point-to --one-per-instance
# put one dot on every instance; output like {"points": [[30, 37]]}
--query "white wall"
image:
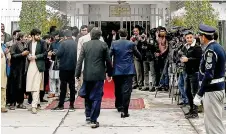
{"points": [[82, 14], [221, 8], [10, 12]]}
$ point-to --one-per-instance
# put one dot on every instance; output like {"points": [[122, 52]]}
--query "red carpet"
{"points": [[106, 104], [108, 101]]}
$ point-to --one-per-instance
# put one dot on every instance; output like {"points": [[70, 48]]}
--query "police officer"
{"points": [[212, 68]]}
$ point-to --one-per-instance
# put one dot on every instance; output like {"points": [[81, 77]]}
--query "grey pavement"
{"points": [[159, 117]]}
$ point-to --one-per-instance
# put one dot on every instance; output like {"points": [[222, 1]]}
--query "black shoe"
{"points": [[192, 116], [29, 101], [140, 87], [166, 88], [123, 115], [184, 105], [58, 108], [88, 120], [160, 88], [71, 108], [95, 124], [119, 109], [180, 103], [39, 106], [135, 86], [21, 106], [152, 89], [145, 89]]}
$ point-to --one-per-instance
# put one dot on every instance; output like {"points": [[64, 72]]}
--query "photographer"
{"points": [[191, 58], [148, 50], [161, 56], [182, 77], [137, 39]]}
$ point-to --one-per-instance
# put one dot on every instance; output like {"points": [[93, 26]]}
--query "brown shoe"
{"points": [[51, 96], [4, 110]]}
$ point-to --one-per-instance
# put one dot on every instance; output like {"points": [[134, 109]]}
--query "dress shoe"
{"points": [[192, 115], [119, 109], [95, 124], [145, 89], [180, 103], [88, 120], [4, 110], [152, 89], [135, 86], [123, 115]]}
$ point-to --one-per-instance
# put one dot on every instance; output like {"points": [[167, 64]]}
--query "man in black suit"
{"points": [[112, 37], [95, 54], [67, 54]]}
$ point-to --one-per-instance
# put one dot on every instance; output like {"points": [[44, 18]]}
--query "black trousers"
{"points": [[17, 96], [123, 90], [67, 77], [192, 85], [17, 87]]}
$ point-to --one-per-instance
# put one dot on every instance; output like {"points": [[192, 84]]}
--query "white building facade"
{"points": [[124, 14]]}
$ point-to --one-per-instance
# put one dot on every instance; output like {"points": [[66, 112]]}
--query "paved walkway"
{"points": [[159, 117]]}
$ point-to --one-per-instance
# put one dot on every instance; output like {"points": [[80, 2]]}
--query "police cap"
{"points": [[205, 29]]}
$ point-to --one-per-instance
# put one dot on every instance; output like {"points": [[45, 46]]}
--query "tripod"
{"points": [[173, 83], [163, 72]]}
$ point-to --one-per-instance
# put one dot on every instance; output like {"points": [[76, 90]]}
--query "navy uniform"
{"points": [[212, 69]]}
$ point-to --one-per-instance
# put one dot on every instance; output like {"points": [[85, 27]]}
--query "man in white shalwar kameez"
{"points": [[36, 68]]}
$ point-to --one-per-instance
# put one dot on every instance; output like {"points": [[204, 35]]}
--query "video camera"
{"points": [[176, 32], [175, 35], [153, 33]]}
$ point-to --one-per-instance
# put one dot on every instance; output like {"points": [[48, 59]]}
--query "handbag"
{"points": [[53, 74], [56, 64], [82, 91]]}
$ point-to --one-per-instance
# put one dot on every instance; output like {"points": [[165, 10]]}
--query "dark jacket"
{"points": [[40, 53], [67, 54], [95, 54], [212, 68], [53, 47], [194, 55], [123, 52], [17, 68], [110, 39], [7, 37], [148, 50]]}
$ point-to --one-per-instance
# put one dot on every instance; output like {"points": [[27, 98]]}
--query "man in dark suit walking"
{"points": [[124, 70], [95, 54]]}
